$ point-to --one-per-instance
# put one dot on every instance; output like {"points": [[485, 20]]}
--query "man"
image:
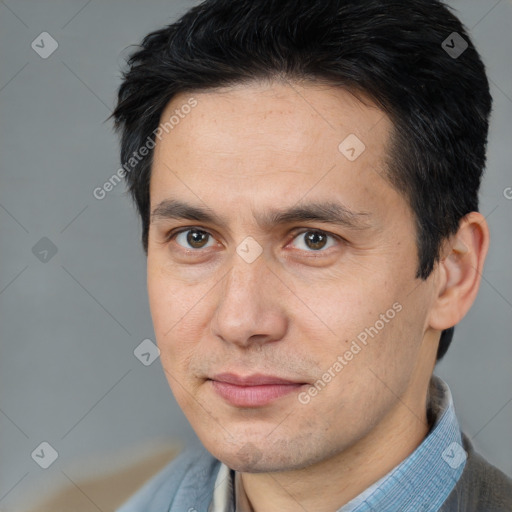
{"points": [[307, 177]]}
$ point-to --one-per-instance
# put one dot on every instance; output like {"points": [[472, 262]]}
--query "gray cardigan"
{"points": [[187, 483]]}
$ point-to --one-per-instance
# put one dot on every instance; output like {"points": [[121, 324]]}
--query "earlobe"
{"points": [[460, 271]]}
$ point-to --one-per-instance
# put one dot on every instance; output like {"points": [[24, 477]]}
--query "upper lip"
{"points": [[256, 379]]}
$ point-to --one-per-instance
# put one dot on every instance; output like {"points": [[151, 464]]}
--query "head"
{"points": [[262, 123]]}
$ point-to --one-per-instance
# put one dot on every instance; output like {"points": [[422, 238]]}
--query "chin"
{"points": [[251, 458]]}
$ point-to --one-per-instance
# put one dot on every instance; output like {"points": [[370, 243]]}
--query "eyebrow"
{"points": [[326, 212]]}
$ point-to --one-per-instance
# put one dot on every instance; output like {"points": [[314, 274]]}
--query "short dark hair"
{"points": [[395, 52]]}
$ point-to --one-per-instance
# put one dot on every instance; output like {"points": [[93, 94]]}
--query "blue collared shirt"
{"points": [[420, 483]]}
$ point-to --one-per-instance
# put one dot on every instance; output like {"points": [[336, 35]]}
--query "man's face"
{"points": [[240, 301]]}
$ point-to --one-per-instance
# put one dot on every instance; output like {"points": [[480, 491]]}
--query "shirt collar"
{"points": [[421, 482]]}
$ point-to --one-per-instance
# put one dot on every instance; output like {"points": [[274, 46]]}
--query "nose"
{"points": [[251, 305]]}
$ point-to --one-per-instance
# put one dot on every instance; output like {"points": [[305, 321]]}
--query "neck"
{"points": [[330, 484]]}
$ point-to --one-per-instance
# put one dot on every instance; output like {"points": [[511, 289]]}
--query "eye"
{"points": [[192, 238], [314, 240]]}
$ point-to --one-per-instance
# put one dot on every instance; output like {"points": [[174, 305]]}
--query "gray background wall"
{"points": [[69, 325]]}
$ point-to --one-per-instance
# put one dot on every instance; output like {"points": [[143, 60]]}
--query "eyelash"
{"points": [[173, 234]]}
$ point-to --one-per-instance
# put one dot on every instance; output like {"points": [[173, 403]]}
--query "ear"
{"points": [[460, 271]]}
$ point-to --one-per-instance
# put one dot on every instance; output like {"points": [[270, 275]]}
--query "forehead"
{"points": [[295, 114], [275, 140]]}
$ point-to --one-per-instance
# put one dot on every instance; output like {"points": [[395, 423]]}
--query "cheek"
{"points": [[175, 335], [359, 334], [177, 314], [341, 308], [359, 381]]}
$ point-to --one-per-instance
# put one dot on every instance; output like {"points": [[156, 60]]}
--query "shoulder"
{"points": [[481, 488], [191, 474]]}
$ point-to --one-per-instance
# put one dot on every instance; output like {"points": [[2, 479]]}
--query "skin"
{"points": [[243, 151]]}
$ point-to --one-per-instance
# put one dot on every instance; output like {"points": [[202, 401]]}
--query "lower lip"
{"points": [[252, 396]]}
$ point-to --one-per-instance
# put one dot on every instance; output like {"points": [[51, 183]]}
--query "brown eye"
{"points": [[192, 238], [313, 240]]}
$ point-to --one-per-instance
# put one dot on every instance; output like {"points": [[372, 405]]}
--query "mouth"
{"points": [[253, 390]]}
